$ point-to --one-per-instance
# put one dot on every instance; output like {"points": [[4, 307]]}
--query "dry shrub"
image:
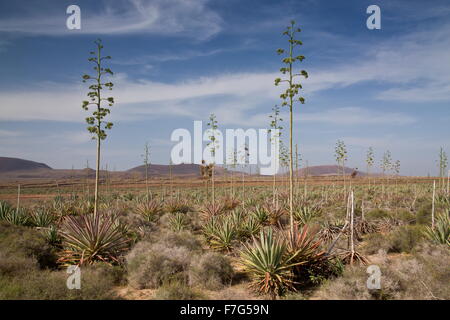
{"points": [[177, 290], [230, 293], [151, 265], [420, 276], [180, 239], [212, 271], [138, 226], [168, 256]]}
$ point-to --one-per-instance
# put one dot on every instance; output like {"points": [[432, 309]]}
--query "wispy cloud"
{"points": [[10, 133], [189, 18], [164, 57], [404, 65], [357, 116]]}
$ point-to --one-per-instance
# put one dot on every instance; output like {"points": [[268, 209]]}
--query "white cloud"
{"points": [[411, 66], [164, 57], [191, 18]]}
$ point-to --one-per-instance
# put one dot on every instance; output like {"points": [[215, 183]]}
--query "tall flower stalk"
{"points": [[97, 125], [290, 96], [213, 148], [275, 125]]}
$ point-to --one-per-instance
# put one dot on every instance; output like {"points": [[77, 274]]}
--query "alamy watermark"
{"points": [[374, 280], [74, 278]]}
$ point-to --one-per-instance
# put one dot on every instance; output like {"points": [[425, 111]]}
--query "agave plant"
{"points": [[350, 257], [5, 210], [223, 236], [362, 226], [150, 210], [230, 203], [176, 205], [304, 214], [237, 218], [386, 224], [42, 218], [177, 222], [274, 212], [209, 227], [52, 235], [304, 246], [260, 214], [328, 231], [90, 238], [249, 227], [210, 210], [19, 217], [441, 232], [268, 263], [443, 200]]}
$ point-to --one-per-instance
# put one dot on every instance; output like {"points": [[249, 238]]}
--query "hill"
{"points": [[179, 169], [16, 164], [327, 170]]}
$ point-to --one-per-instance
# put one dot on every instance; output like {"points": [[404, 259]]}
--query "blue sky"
{"points": [[178, 61]]}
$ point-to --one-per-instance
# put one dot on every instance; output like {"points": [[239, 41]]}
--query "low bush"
{"points": [[420, 276], [423, 215], [405, 238], [97, 282], [377, 214], [152, 264], [212, 271], [374, 242], [20, 243], [405, 216], [179, 239], [177, 290]]}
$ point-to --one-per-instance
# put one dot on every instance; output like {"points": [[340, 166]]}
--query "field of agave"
{"points": [[181, 245]]}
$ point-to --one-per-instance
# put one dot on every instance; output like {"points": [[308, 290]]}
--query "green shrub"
{"points": [[377, 214], [405, 216], [97, 282], [17, 242], [405, 238], [212, 271], [373, 242], [423, 215]]}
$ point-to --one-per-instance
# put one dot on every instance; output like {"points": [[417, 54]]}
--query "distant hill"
{"points": [[179, 169], [328, 171], [17, 169], [14, 168], [16, 164]]}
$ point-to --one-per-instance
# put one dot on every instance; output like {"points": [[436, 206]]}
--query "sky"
{"points": [[176, 61]]}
